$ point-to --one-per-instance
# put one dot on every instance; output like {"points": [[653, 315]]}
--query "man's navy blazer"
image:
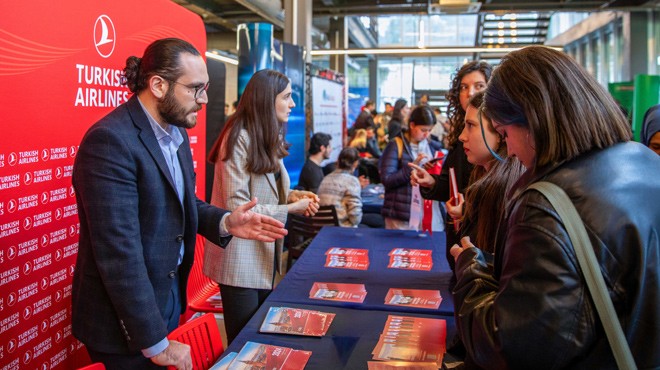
{"points": [[131, 228]]}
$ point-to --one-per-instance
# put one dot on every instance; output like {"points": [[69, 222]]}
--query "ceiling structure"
{"points": [[501, 22]]}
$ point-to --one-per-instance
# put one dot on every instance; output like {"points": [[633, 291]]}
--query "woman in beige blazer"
{"points": [[248, 164]]}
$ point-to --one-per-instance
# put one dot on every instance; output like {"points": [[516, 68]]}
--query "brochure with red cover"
{"points": [[348, 251], [347, 258], [406, 338], [430, 299], [410, 262], [224, 363], [347, 262], [411, 252], [401, 365], [453, 194], [297, 321], [338, 292], [265, 356]]}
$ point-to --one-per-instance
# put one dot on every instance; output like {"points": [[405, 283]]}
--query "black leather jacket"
{"points": [[531, 308]]}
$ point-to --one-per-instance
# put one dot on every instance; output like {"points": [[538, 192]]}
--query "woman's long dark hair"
{"points": [[455, 112], [485, 196], [256, 114]]}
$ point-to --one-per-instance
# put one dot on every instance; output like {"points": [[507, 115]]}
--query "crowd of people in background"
{"points": [[520, 298]]}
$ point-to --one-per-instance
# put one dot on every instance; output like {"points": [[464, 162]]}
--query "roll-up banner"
{"points": [[60, 68]]}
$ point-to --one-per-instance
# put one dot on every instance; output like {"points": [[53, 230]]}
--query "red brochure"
{"points": [[264, 356], [347, 258], [411, 252], [297, 321], [347, 262], [401, 365], [453, 193], [348, 251], [424, 263], [338, 292], [430, 299], [408, 338]]}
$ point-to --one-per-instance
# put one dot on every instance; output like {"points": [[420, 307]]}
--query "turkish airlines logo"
{"points": [[27, 178], [59, 172], [44, 197], [27, 269], [11, 346], [44, 326], [104, 36], [13, 159], [58, 214], [27, 312], [58, 255], [72, 151], [11, 299], [45, 155], [11, 252], [72, 191], [58, 295], [27, 357], [27, 223], [11, 205], [44, 283], [44, 240]]}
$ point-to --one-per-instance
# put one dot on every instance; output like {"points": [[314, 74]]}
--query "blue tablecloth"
{"points": [[347, 344], [372, 198], [378, 279], [356, 329]]}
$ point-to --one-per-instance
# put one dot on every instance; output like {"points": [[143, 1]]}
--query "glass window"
{"points": [[595, 58], [610, 57], [394, 80], [425, 30]]}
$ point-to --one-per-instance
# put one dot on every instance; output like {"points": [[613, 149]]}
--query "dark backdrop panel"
{"points": [[215, 114]]}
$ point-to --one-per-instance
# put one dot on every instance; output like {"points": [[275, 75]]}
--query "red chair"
{"points": [[203, 337], [200, 287], [96, 366]]}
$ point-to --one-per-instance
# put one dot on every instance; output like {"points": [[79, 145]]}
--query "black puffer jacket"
{"points": [[532, 310], [395, 176]]}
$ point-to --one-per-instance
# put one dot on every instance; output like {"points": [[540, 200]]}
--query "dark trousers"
{"points": [[115, 361], [239, 304]]}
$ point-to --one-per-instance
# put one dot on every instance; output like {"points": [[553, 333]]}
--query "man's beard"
{"points": [[175, 114]]}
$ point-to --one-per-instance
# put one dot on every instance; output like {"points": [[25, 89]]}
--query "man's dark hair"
{"points": [[162, 58], [318, 139]]}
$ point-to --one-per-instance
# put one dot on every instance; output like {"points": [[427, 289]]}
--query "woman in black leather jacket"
{"points": [[531, 308]]}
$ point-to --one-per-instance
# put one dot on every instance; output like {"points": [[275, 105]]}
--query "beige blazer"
{"points": [[246, 263]]}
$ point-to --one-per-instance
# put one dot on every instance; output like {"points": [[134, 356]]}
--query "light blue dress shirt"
{"points": [[169, 140]]}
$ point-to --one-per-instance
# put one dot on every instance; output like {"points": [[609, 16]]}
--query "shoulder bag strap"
{"points": [[591, 271]]}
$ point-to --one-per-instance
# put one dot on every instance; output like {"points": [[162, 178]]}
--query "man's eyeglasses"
{"points": [[198, 89]]}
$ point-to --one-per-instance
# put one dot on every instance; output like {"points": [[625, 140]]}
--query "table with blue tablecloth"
{"points": [[357, 326], [378, 279]]}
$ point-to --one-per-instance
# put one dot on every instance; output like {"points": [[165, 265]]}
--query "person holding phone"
{"points": [[411, 145], [470, 78]]}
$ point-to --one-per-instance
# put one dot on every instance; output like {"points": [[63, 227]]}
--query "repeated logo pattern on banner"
{"points": [[60, 71]]}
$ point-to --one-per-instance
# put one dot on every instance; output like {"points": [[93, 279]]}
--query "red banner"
{"points": [[60, 66]]}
